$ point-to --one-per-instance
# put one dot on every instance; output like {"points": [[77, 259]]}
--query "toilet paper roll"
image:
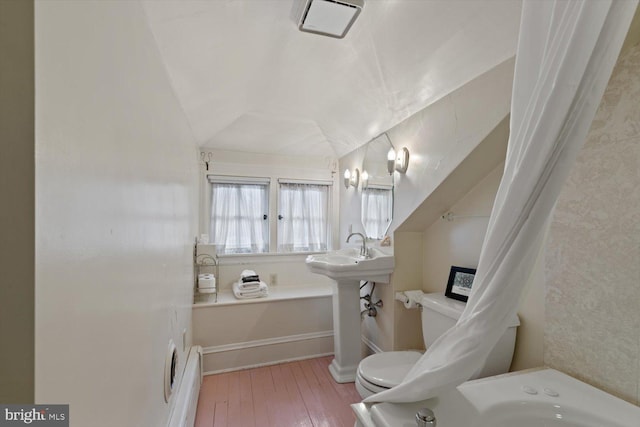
{"points": [[207, 290], [205, 276], [206, 282], [413, 299]]}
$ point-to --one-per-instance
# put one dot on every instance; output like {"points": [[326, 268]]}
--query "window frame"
{"points": [[331, 220], [238, 180], [272, 173]]}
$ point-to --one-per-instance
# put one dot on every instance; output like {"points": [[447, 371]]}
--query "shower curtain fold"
{"points": [[566, 53]]}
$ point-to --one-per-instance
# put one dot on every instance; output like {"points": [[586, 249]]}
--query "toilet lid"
{"points": [[388, 369]]}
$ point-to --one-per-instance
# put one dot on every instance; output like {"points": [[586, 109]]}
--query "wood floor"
{"points": [[287, 395]]}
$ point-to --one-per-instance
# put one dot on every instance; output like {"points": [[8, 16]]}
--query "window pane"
{"points": [[378, 205], [238, 223], [303, 223]]}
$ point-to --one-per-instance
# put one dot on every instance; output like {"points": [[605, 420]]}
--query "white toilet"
{"points": [[382, 371]]}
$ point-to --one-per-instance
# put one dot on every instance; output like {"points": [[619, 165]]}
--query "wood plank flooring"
{"points": [[294, 394]]}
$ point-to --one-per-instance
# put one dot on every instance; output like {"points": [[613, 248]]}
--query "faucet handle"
{"points": [[425, 418]]}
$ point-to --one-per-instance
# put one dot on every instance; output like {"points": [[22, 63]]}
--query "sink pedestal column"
{"points": [[346, 330]]}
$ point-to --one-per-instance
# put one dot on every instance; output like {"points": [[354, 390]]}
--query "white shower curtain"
{"points": [[566, 52]]}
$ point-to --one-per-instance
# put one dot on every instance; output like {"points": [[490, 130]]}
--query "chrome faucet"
{"points": [[425, 418], [364, 252]]}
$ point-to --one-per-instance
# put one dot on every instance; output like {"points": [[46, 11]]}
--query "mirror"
{"points": [[377, 188]]}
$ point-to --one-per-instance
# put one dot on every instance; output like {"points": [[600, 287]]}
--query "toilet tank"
{"points": [[440, 313]]}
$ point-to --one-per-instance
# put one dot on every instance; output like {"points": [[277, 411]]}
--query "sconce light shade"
{"points": [[347, 178], [398, 161], [402, 160], [391, 161], [365, 179], [355, 178]]}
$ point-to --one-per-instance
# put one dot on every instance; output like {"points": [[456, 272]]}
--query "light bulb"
{"points": [[365, 179], [391, 161]]}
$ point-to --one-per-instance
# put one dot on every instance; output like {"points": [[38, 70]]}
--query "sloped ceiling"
{"points": [[248, 80]]}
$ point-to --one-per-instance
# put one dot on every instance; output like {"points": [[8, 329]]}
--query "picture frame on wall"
{"points": [[460, 283]]}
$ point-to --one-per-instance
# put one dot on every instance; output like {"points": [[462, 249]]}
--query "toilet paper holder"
{"points": [[410, 299]]}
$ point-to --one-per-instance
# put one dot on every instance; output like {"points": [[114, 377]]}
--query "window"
{"points": [[303, 219], [239, 212], [378, 205]]}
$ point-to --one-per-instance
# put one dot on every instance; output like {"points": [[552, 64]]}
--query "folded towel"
{"points": [[248, 276], [260, 292], [249, 286], [246, 273]]}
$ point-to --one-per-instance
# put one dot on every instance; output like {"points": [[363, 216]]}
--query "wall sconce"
{"points": [[352, 179], [398, 161], [365, 179]]}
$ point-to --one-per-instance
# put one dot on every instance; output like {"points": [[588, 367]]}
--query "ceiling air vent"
{"points": [[326, 17]]}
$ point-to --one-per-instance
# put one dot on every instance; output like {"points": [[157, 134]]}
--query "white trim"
{"points": [[230, 164], [386, 187], [266, 342], [325, 182], [264, 257], [226, 179], [270, 363], [371, 345], [183, 413]]}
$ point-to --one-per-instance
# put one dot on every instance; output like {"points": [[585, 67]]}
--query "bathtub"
{"points": [[542, 397]]}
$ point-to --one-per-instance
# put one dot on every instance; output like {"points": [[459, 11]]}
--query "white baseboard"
{"points": [[266, 352], [371, 345], [270, 363], [265, 342]]}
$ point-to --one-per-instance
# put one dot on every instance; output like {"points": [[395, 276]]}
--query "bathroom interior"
{"points": [[121, 118]]}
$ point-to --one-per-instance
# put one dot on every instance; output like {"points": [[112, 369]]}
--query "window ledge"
{"points": [[276, 293], [257, 258]]}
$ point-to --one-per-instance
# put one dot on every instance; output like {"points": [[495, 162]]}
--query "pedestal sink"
{"points": [[347, 268]]}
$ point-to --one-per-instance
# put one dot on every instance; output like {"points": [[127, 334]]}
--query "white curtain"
{"points": [[238, 222], [376, 211], [303, 221], [566, 52]]}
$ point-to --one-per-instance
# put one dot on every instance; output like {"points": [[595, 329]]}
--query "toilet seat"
{"points": [[369, 387], [382, 371]]}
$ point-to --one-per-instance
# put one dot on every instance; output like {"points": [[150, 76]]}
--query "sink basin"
{"points": [[348, 264]]}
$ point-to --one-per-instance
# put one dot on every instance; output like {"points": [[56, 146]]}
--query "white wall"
{"points": [[17, 190], [116, 188], [592, 319], [242, 164], [439, 138], [264, 331], [459, 242]]}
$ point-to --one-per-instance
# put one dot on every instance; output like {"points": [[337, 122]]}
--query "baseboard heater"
{"points": [[186, 398]]}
